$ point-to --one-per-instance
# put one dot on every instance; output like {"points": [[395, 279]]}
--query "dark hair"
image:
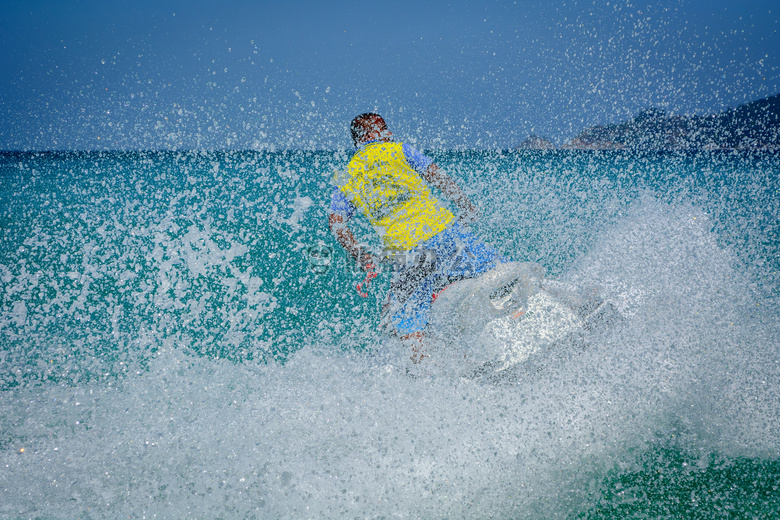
{"points": [[363, 123]]}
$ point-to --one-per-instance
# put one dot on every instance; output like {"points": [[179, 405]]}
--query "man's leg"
{"points": [[416, 342], [408, 319]]}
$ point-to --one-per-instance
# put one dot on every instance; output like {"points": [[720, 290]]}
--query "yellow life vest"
{"points": [[398, 203]]}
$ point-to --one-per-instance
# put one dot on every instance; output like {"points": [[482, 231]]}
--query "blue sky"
{"points": [[268, 75]]}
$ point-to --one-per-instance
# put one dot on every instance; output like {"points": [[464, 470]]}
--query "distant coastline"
{"points": [[752, 126]]}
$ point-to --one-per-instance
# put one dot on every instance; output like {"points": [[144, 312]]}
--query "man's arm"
{"points": [[344, 236], [436, 177]]}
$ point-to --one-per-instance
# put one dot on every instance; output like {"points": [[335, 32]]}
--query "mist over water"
{"points": [[165, 350]]}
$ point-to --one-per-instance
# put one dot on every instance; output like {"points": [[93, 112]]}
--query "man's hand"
{"points": [[468, 212], [338, 226], [468, 217], [368, 261]]}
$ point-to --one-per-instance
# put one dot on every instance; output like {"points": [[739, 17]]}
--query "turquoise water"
{"points": [[166, 350]]}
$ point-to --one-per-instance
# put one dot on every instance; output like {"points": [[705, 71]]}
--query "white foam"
{"points": [[330, 435]]}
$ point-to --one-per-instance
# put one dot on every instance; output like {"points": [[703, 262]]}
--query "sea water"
{"points": [[167, 349]]}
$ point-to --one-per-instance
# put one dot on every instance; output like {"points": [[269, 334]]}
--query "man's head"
{"points": [[369, 127]]}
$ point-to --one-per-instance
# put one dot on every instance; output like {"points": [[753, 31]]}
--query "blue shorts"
{"points": [[452, 255]]}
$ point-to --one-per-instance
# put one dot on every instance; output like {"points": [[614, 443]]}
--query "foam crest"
{"points": [[330, 434], [116, 399], [697, 332]]}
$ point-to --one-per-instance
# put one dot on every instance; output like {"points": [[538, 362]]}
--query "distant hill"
{"points": [[534, 142], [753, 126]]}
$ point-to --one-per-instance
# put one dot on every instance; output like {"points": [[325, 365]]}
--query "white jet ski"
{"points": [[506, 323]]}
